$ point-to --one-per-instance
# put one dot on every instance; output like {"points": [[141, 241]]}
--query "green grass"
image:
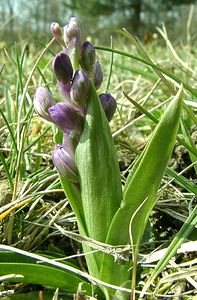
{"points": [[36, 217]]}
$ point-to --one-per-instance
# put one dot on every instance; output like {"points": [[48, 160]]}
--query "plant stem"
{"points": [[134, 271]]}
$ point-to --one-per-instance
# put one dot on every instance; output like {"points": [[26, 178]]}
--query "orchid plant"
{"points": [[85, 159]]}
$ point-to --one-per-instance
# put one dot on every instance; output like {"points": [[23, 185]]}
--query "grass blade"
{"points": [[154, 66]]}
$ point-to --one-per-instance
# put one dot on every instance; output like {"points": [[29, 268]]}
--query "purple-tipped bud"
{"points": [[42, 101], [72, 29], [98, 75], [66, 117], [79, 87], [109, 105], [62, 67], [56, 31], [87, 60], [64, 163]]}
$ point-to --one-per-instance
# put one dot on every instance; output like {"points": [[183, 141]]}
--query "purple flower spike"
{"points": [[62, 67], [56, 31], [98, 75], [64, 163], [109, 105], [66, 117], [79, 88], [87, 60], [42, 101]]}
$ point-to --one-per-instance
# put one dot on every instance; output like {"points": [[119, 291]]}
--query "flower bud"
{"points": [[56, 31], [87, 60], [98, 75], [79, 87], [72, 29], [66, 117], [42, 101], [64, 163], [62, 67], [109, 105]]}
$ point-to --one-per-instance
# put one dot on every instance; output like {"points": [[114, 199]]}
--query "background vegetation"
{"points": [[21, 19]]}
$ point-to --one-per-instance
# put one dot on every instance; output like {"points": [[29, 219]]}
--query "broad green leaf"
{"points": [[180, 237], [100, 181], [143, 185], [32, 272], [141, 188], [36, 274], [12, 263]]}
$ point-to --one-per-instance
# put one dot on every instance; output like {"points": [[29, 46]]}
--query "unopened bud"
{"points": [[98, 75], [72, 29], [87, 60], [42, 101], [66, 117], [62, 67], [79, 88], [64, 163], [56, 31], [109, 105]]}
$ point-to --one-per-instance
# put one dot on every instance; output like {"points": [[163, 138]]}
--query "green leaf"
{"points": [[47, 295], [100, 180], [32, 272], [36, 274], [141, 189], [144, 183]]}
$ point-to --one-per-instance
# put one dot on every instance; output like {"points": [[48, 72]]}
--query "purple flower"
{"points": [[42, 101], [79, 88], [109, 105], [98, 75], [66, 117], [62, 67], [64, 163], [87, 60]]}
